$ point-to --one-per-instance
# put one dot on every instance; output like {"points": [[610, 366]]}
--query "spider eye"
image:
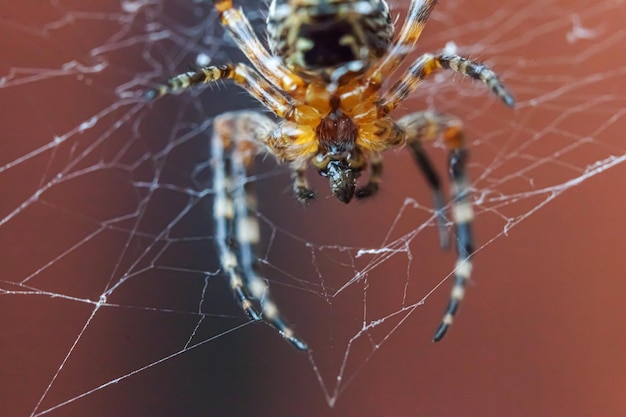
{"points": [[320, 161]]}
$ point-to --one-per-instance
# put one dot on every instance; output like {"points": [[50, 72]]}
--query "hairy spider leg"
{"points": [[241, 74], [428, 64], [301, 189], [271, 68], [409, 33], [237, 137], [428, 126]]}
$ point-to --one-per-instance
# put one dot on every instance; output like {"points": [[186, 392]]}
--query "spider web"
{"points": [[111, 297]]}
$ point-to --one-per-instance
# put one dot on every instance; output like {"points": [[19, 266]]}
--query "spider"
{"points": [[322, 79]]}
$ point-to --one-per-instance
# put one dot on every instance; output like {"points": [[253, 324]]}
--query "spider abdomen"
{"points": [[316, 37]]}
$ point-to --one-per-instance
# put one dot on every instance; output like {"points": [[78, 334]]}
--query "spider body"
{"points": [[323, 81]]}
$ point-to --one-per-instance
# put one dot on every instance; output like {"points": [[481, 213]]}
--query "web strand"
{"points": [[109, 276]]}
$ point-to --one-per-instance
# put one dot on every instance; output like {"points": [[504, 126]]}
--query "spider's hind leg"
{"points": [[422, 126], [430, 125], [237, 138]]}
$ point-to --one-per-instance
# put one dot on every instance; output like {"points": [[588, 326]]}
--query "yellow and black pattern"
{"points": [[322, 78], [246, 77]]}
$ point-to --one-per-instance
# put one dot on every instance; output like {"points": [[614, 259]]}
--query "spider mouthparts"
{"points": [[342, 180]]}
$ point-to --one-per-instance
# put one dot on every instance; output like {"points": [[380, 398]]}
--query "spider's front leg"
{"points": [[428, 126], [237, 138], [246, 77], [427, 64], [239, 28]]}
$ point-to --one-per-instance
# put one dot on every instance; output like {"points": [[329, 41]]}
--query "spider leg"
{"points": [[428, 64], [246, 77], [240, 29], [430, 125], [417, 15], [421, 126], [236, 140], [301, 189], [376, 170]]}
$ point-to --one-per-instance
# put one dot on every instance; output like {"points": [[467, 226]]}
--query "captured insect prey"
{"points": [[322, 78]]}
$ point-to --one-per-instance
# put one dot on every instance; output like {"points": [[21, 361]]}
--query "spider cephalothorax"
{"points": [[323, 81]]}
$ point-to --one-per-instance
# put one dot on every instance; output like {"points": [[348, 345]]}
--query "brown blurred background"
{"points": [[102, 201]]}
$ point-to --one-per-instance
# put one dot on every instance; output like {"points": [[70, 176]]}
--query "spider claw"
{"points": [[508, 99], [304, 195], [446, 321], [501, 91], [366, 191], [441, 332], [297, 343], [151, 94]]}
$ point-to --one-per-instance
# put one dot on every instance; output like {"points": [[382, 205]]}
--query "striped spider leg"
{"points": [[237, 138], [429, 125]]}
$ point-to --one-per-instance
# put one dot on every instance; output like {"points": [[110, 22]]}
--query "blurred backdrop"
{"points": [[111, 297]]}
